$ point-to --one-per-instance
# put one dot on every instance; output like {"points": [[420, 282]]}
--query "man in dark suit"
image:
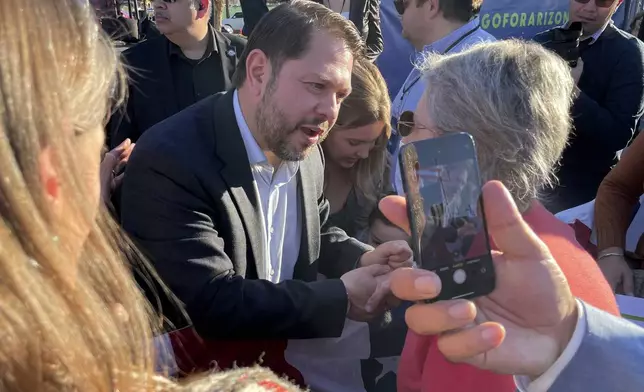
{"points": [[191, 61], [226, 197]]}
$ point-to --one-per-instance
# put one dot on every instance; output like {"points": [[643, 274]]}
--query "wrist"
{"points": [[612, 251], [566, 329]]}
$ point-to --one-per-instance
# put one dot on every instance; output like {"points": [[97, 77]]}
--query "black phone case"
{"points": [[480, 276]]}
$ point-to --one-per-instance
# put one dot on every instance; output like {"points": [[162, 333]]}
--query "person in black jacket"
{"points": [[609, 104], [189, 62], [365, 15]]}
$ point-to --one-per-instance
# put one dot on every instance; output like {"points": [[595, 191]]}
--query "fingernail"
{"points": [[460, 310], [489, 334], [368, 308], [429, 284]]}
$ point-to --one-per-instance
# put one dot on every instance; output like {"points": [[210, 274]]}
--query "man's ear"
{"points": [[49, 177], [258, 71], [433, 8], [202, 9]]}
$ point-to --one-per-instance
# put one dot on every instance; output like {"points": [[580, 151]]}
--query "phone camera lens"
{"points": [[483, 270]]}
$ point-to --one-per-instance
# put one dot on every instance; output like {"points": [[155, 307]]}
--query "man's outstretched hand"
{"points": [[523, 326]]}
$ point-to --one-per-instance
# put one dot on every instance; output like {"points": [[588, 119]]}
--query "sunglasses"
{"points": [[599, 3], [401, 6], [405, 123]]}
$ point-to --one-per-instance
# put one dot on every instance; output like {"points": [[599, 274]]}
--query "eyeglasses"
{"points": [[401, 6], [405, 123], [598, 3]]}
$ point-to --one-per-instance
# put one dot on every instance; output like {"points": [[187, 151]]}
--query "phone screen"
{"points": [[443, 190]]}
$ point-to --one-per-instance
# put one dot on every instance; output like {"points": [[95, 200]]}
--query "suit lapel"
{"points": [[228, 54], [238, 176], [310, 216]]}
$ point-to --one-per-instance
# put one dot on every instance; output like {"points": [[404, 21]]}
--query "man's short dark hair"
{"points": [[286, 31], [457, 10]]}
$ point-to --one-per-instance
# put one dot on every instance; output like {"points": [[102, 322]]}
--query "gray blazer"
{"points": [[610, 358]]}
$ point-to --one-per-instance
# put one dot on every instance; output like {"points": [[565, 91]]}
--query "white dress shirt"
{"points": [[545, 381], [277, 194]]}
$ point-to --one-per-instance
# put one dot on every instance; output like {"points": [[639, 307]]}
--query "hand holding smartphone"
{"points": [[444, 204]]}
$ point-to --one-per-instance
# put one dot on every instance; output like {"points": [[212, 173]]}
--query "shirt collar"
{"points": [[442, 44], [254, 152], [593, 38], [174, 49]]}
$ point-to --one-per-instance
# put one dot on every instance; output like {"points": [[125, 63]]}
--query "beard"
{"points": [[277, 129]]}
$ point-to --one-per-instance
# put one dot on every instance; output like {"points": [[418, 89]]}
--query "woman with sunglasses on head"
{"points": [[72, 318], [514, 99]]}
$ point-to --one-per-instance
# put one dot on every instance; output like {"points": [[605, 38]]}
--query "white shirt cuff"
{"points": [[545, 381]]}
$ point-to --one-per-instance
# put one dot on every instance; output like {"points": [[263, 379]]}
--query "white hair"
{"points": [[514, 98]]}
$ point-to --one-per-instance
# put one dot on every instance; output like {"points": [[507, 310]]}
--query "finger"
{"points": [[378, 296], [510, 232], [394, 208], [413, 284], [377, 269], [404, 264], [439, 317], [118, 180], [397, 251], [627, 283], [465, 345], [125, 155]]}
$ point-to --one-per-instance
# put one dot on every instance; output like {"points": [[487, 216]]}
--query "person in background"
{"points": [[610, 101], [518, 144], [356, 170], [72, 317], [392, 62], [433, 26], [189, 62], [147, 28], [617, 197], [531, 326]]}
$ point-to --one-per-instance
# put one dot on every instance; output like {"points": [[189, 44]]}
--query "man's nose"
{"points": [[328, 107]]}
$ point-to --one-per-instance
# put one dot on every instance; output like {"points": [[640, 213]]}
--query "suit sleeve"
{"points": [[612, 125], [171, 219], [122, 124], [608, 359], [339, 253]]}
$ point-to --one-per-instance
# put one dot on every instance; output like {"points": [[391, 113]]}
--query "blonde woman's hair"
{"points": [[67, 322], [514, 98], [368, 103]]}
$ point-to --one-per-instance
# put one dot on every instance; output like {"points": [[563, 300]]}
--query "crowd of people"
{"points": [[204, 204]]}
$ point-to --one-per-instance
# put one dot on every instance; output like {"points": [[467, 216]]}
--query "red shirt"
{"points": [[423, 368]]}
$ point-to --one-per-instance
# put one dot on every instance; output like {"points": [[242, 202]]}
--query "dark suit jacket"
{"points": [[151, 95], [189, 201]]}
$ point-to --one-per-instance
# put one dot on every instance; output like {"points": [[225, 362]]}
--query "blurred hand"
{"points": [[395, 254], [618, 273], [520, 328], [365, 284], [111, 169]]}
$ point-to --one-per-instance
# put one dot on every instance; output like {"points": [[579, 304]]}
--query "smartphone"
{"points": [[442, 186]]}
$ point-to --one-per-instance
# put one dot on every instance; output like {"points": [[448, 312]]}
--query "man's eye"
{"points": [[317, 86]]}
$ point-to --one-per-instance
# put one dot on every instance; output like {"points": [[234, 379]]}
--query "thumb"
{"points": [[510, 232], [394, 208]]}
